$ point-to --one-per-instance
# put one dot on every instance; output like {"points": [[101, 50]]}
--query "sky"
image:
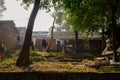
{"points": [[20, 16]]}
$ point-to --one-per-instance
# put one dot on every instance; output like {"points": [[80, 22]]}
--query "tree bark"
{"points": [[114, 8], [23, 59], [76, 42], [103, 40]]}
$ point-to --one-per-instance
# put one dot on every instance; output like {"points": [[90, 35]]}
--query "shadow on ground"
{"points": [[59, 76]]}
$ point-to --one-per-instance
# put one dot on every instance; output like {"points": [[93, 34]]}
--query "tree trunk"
{"points": [[23, 59], [113, 6], [51, 39], [76, 42], [103, 40]]}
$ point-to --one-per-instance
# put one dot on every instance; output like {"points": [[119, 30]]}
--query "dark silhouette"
{"points": [[44, 44]]}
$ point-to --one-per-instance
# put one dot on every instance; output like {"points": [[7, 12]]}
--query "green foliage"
{"points": [[2, 47], [44, 4], [82, 15], [36, 57], [59, 15], [87, 15]]}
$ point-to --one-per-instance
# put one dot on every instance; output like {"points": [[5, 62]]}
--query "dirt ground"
{"points": [[58, 66]]}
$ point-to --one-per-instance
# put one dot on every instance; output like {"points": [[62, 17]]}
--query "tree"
{"points": [[85, 14], [58, 16], [63, 25], [24, 59], [59, 13], [113, 5], [52, 36], [2, 7], [92, 15]]}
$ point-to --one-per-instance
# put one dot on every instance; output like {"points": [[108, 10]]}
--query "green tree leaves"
{"points": [[90, 15]]}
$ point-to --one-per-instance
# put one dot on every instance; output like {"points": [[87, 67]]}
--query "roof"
{"points": [[40, 34], [8, 25], [71, 35], [63, 35], [6, 21]]}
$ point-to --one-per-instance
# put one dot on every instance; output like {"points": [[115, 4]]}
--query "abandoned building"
{"points": [[8, 34], [91, 45]]}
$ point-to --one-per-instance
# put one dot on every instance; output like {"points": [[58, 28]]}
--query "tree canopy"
{"points": [[59, 14], [90, 15], [44, 4]]}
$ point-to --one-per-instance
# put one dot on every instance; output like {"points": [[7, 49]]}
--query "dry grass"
{"points": [[60, 67], [50, 62]]}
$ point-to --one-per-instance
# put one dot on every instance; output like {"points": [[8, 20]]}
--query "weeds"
{"points": [[40, 64]]}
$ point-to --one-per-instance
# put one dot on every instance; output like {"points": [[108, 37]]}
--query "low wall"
{"points": [[59, 76]]}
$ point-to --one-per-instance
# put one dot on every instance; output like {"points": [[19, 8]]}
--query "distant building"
{"points": [[21, 36], [8, 34], [93, 44], [38, 36]]}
